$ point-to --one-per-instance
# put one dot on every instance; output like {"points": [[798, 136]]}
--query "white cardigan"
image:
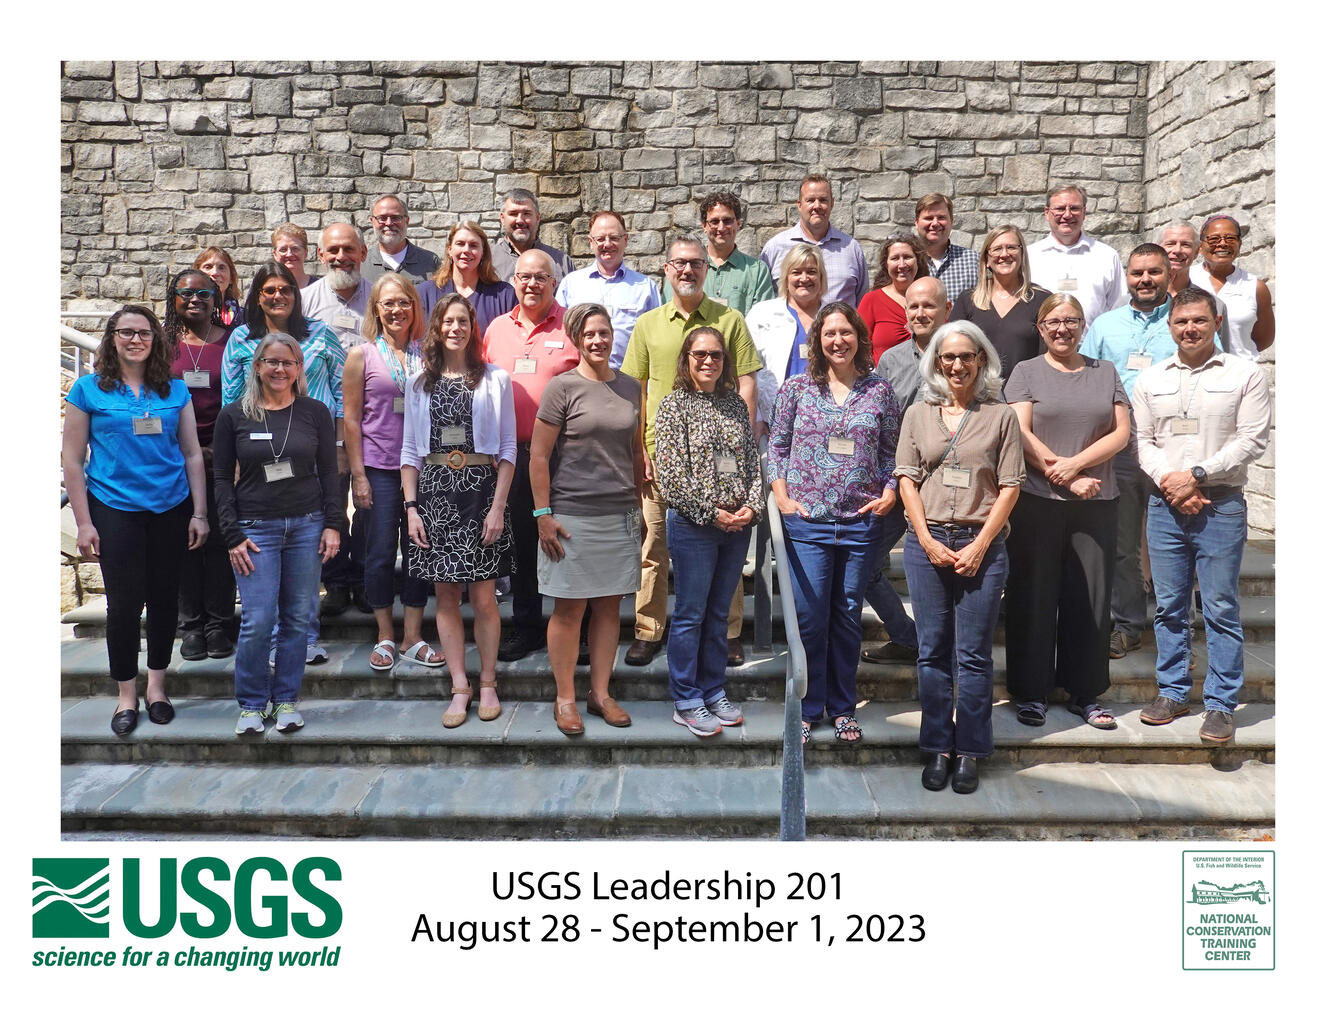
{"points": [[493, 419], [772, 328]]}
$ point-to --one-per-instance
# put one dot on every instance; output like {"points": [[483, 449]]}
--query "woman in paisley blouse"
{"points": [[833, 435], [710, 478]]}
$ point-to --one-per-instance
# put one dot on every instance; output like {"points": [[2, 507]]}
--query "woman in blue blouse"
{"points": [[833, 435], [139, 502], [467, 270]]}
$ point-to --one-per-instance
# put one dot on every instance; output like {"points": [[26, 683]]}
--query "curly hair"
{"points": [[910, 240], [158, 367], [172, 325], [433, 346]]}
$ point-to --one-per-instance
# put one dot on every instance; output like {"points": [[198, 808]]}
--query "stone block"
{"points": [[648, 158], [860, 94], [92, 155], [773, 76], [270, 172], [832, 126], [712, 137], [87, 89], [606, 114], [531, 150], [921, 125], [591, 82], [207, 118], [415, 90], [575, 161], [737, 107], [675, 137], [884, 185], [627, 201], [920, 100], [1038, 71], [871, 212], [435, 166], [546, 79], [176, 179], [448, 126], [462, 91], [472, 197], [102, 112], [1025, 173], [1110, 125], [134, 163], [808, 100], [755, 143], [206, 152], [499, 85], [198, 220], [489, 137], [1066, 125], [114, 215], [673, 73], [834, 156], [230, 88], [375, 118], [988, 96], [87, 69], [271, 97], [636, 75], [723, 76], [882, 129]]}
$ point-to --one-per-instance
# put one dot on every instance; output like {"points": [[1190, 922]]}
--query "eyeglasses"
{"points": [[279, 363], [395, 306], [388, 220], [538, 278], [128, 334], [682, 264], [275, 291], [717, 223], [707, 356], [290, 250], [1074, 209], [1061, 324], [190, 293], [1001, 249], [950, 360], [1221, 238]]}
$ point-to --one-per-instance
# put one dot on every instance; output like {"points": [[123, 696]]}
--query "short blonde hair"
{"points": [[800, 255], [371, 324]]}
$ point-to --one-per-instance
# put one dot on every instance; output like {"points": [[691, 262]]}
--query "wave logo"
{"points": [[71, 898]]}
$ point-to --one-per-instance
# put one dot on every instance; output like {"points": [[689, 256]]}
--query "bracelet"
{"points": [[544, 511], [410, 503], [204, 518]]}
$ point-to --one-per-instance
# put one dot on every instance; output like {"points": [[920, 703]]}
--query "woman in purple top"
{"points": [[833, 434], [375, 377], [467, 270]]}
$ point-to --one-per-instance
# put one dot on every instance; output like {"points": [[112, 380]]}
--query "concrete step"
{"points": [[347, 675], [1046, 801], [410, 732]]}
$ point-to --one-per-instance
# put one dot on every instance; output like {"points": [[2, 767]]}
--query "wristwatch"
{"points": [[410, 503], [1198, 474]]}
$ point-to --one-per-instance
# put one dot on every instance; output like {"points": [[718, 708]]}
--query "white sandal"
{"points": [[385, 649], [413, 654]]}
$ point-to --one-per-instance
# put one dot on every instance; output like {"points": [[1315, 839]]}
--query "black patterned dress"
{"points": [[454, 502]]}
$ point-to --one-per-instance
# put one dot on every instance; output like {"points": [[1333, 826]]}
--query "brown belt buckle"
{"points": [[456, 459]]}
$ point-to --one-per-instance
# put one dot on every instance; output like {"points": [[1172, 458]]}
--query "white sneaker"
{"points": [[286, 717], [250, 722], [315, 654]]}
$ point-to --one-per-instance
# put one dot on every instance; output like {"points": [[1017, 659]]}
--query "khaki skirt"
{"points": [[602, 557]]}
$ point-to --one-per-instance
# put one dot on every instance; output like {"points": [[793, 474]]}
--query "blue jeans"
{"points": [[386, 533], [831, 565], [956, 618], [707, 563], [881, 594], [1211, 545], [280, 590]]}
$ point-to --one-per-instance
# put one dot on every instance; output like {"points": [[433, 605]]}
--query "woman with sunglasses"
{"points": [[208, 589], [1250, 321], [138, 500], [710, 478]]}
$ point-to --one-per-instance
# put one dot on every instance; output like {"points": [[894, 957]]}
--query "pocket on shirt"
{"points": [[1220, 404], [1165, 404]]}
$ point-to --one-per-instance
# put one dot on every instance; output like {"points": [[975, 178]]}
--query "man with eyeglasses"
{"points": [[651, 357], [610, 282], [957, 267], [846, 265], [528, 343], [393, 253], [519, 232], [1070, 262], [736, 279]]}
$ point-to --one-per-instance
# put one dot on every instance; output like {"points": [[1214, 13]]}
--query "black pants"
{"points": [[346, 569], [1058, 597], [527, 604], [141, 565], [208, 588]]}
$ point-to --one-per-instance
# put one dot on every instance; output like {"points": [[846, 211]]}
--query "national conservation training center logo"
{"points": [[71, 898]]}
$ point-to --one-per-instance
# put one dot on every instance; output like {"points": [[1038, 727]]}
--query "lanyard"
{"points": [[951, 444], [1192, 393], [400, 371], [265, 419]]}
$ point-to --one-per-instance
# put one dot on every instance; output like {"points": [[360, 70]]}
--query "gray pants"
{"points": [[1128, 607]]}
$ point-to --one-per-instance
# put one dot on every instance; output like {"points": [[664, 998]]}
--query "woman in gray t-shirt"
{"points": [[1073, 414]]}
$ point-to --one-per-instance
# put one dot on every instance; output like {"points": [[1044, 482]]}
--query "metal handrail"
{"points": [[78, 338], [793, 782]]}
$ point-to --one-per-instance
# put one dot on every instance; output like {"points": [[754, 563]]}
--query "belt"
{"points": [[457, 459]]}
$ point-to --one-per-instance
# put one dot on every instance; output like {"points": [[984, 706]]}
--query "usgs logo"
{"points": [[204, 896]]}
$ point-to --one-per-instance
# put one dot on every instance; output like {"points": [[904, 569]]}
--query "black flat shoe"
{"points": [[192, 646], [219, 644], [124, 721], [965, 778], [936, 771], [161, 712]]}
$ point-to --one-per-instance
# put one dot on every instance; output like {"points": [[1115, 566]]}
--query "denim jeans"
{"points": [[956, 619], [831, 565], [1209, 544], [281, 589], [386, 534], [881, 593], [707, 563]]}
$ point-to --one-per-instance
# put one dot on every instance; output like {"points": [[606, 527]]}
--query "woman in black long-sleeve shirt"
{"points": [[279, 520]]}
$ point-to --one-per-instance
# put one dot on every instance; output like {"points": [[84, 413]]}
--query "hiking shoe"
{"points": [[1217, 727], [699, 721], [890, 652], [1163, 710], [286, 717], [519, 643], [316, 654], [250, 722], [725, 712], [1121, 643]]}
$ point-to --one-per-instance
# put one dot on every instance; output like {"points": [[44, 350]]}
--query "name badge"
{"points": [[399, 405], [840, 445], [1067, 285], [722, 300], [196, 378], [257, 436], [453, 437], [147, 425], [279, 469], [955, 476], [725, 463], [346, 321], [555, 344], [526, 365], [1182, 425], [1136, 360]]}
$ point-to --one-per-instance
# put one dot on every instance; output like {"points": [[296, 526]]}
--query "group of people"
{"points": [[500, 413]]}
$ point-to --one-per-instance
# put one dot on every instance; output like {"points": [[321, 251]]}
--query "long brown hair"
{"points": [[445, 272], [728, 378], [433, 346], [910, 240], [817, 365], [158, 367]]}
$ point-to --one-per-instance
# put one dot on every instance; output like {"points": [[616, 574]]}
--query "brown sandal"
{"points": [[487, 712], [449, 719], [568, 718]]}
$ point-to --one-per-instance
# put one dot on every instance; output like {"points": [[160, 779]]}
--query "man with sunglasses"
{"points": [[1069, 261], [651, 357], [393, 253]]}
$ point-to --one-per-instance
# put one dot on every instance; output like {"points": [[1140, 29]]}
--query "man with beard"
{"points": [[1069, 261], [519, 232], [651, 357], [393, 253]]}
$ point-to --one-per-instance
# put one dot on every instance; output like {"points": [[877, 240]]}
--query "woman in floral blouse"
{"points": [[710, 477], [833, 434]]}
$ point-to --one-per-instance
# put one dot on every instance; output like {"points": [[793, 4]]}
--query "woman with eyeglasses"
{"points": [[1004, 303], [217, 264], [273, 305], [281, 513], [467, 270], [138, 499], [832, 451], [901, 262], [1248, 315], [710, 477], [375, 383], [208, 589], [456, 467], [1073, 414], [960, 465]]}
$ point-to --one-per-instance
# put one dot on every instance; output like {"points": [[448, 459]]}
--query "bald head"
{"points": [[926, 308]]}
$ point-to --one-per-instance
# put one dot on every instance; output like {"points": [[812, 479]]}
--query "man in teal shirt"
{"points": [[736, 279]]}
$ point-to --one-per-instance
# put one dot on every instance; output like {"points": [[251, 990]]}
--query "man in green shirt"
{"points": [[736, 279], [651, 357]]}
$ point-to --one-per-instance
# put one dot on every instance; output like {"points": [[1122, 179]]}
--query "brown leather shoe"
{"points": [[568, 718], [640, 651], [736, 656], [609, 711]]}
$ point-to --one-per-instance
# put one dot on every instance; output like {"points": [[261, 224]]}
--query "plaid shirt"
{"points": [[958, 270]]}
